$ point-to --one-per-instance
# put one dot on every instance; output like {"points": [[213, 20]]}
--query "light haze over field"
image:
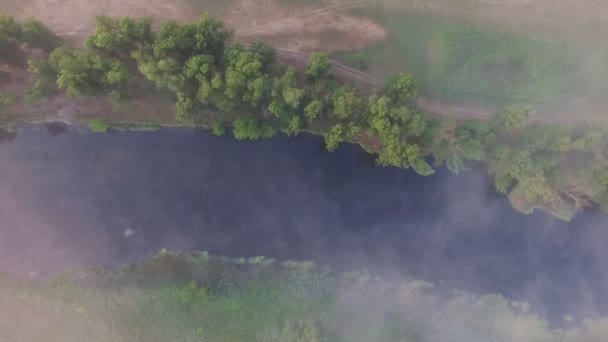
{"points": [[71, 198]]}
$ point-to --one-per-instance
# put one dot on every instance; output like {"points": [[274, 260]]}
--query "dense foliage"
{"points": [[197, 297], [220, 84]]}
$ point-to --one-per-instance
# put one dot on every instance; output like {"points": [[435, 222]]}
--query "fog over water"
{"points": [[72, 199]]}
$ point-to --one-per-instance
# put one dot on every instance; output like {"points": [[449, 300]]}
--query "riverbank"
{"points": [[217, 84], [192, 296]]}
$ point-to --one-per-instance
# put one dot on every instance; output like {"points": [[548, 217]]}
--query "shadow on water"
{"points": [[78, 199], [56, 128], [7, 136]]}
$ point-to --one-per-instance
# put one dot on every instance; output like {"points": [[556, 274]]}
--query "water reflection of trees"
{"points": [[56, 128], [7, 136]]}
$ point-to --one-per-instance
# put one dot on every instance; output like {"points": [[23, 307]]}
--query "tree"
{"points": [[205, 37], [79, 73], [417, 161], [279, 109], [11, 34], [346, 103], [293, 96], [166, 73], [474, 139], [119, 37], [265, 51], [118, 78], [244, 78], [313, 110], [37, 35], [294, 126], [393, 153], [45, 78], [503, 182], [83, 74], [319, 66], [186, 109], [249, 128], [218, 127], [401, 89], [445, 146], [287, 101], [199, 67], [286, 94], [512, 117], [334, 137], [340, 133], [198, 73], [10, 29]]}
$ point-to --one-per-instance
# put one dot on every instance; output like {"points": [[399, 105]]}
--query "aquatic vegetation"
{"points": [[194, 296]]}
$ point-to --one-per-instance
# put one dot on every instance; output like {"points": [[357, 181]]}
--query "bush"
{"points": [[248, 128], [37, 35], [100, 125], [218, 127], [6, 99]]}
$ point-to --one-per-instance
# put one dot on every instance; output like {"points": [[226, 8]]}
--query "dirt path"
{"points": [[327, 10], [428, 105], [326, 29], [567, 115]]}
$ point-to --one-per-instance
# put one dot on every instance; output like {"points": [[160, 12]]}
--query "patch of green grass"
{"points": [[100, 126], [467, 62], [491, 64], [357, 59]]}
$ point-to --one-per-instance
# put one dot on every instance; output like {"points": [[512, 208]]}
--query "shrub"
{"points": [[99, 125]]}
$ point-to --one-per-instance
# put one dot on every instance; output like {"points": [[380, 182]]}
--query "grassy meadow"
{"points": [[479, 63]]}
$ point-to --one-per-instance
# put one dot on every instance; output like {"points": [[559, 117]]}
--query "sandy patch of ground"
{"points": [[325, 27], [326, 31], [78, 16]]}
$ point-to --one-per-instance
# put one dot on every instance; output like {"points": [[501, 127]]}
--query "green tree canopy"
{"points": [[313, 110], [266, 52], [512, 117], [249, 128], [83, 74], [319, 66], [401, 89], [37, 35], [11, 35], [474, 139], [10, 28], [208, 36], [119, 37], [347, 103], [340, 133], [244, 78]]}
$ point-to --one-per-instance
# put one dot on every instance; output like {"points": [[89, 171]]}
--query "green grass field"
{"points": [[467, 62]]}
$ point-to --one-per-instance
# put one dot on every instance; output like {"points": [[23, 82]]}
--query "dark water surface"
{"points": [[67, 198]]}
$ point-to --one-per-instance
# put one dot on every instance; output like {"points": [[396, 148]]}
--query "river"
{"points": [[69, 198]]}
